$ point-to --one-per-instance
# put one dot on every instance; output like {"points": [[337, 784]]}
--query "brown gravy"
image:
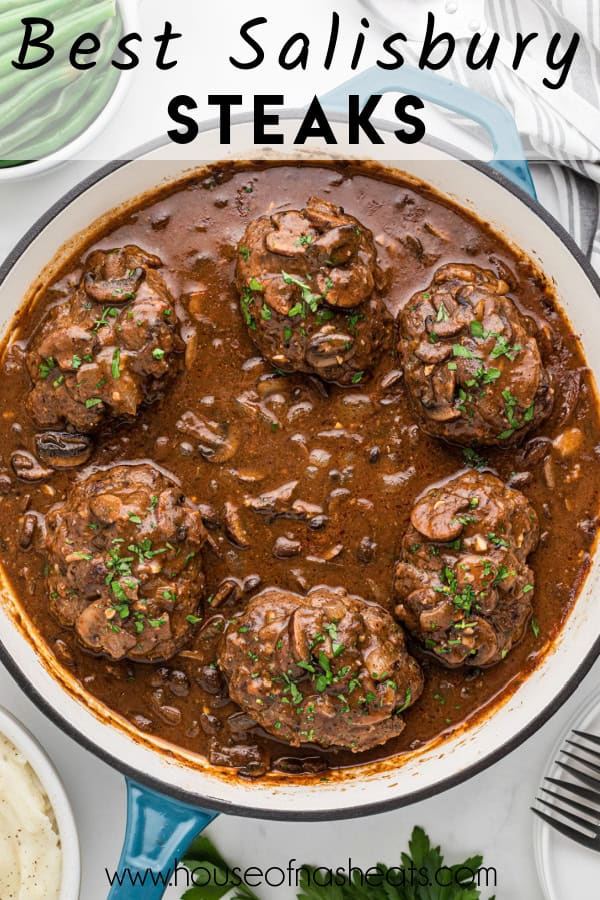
{"points": [[355, 452]]}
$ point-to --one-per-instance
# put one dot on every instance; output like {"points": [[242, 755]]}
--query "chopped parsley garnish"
{"points": [[246, 300], [474, 459], [312, 300], [116, 363], [511, 406], [298, 309], [47, 366], [353, 320], [503, 348], [245, 252], [463, 352], [406, 704], [102, 322]]}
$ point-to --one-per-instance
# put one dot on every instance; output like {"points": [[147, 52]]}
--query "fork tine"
{"points": [[587, 750], [589, 737], [577, 789], [582, 762], [566, 830], [592, 782], [576, 820], [580, 807]]}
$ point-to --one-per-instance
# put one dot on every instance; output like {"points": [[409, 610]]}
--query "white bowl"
{"points": [[128, 10], [27, 745]]}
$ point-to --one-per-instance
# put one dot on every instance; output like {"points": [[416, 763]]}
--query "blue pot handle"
{"points": [[497, 121], [159, 830]]}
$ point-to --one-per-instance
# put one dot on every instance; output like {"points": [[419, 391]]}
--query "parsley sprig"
{"points": [[422, 863]]}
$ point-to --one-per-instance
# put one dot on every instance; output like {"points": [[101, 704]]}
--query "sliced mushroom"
{"points": [[273, 503], [115, 290], [286, 241], [27, 467], [62, 450], [27, 530], [337, 246], [437, 518], [229, 589], [569, 393], [433, 353], [534, 451], [285, 548], [217, 441], [234, 528], [324, 214], [327, 349]]}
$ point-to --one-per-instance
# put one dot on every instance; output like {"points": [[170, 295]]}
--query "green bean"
{"points": [[66, 29], [75, 125], [19, 78], [42, 9], [64, 102], [11, 39], [106, 77], [24, 100], [14, 5]]}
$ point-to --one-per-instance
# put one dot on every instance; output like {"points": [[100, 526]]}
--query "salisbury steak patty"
{"points": [[327, 668], [473, 367], [124, 563], [463, 585], [309, 292], [108, 348]]}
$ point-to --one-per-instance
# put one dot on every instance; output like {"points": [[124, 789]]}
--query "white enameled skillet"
{"points": [[169, 799]]}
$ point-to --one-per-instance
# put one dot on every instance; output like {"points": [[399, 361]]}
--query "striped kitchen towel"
{"points": [[559, 127]]}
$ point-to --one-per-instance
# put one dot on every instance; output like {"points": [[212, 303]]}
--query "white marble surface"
{"points": [[490, 813]]}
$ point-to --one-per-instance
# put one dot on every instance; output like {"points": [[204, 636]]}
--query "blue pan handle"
{"points": [[497, 121], [159, 830]]}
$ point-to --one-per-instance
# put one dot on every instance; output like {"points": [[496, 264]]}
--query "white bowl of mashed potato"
{"points": [[39, 849]]}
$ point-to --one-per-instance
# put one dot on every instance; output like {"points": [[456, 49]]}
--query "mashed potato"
{"points": [[30, 855]]}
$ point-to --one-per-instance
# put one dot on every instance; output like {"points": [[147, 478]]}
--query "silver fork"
{"points": [[587, 814]]}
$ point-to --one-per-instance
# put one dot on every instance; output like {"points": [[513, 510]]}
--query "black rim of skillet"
{"points": [[246, 810]]}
